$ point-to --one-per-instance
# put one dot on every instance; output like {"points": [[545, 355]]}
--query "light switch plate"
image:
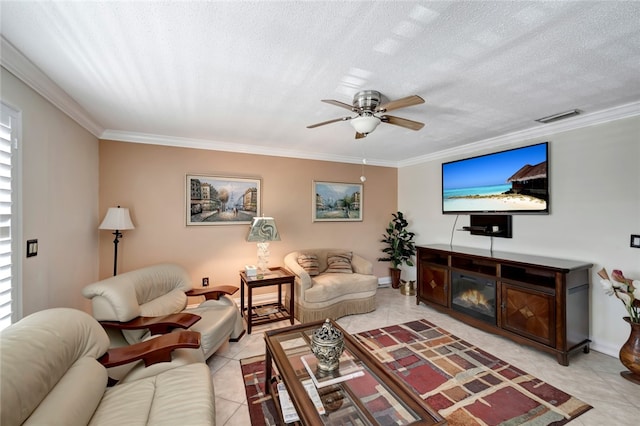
{"points": [[635, 241], [32, 248]]}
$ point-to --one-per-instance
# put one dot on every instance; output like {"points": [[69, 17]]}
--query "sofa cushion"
{"points": [[171, 303], [215, 324], [74, 398], [38, 353], [327, 287], [121, 297], [339, 262], [181, 396], [309, 263]]}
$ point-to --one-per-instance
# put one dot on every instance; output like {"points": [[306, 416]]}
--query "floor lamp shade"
{"points": [[117, 219]]}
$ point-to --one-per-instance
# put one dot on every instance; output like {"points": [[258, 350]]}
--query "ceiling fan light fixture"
{"points": [[368, 103], [365, 124]]}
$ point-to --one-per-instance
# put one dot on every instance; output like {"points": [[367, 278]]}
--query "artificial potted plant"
{"points": [[400, 247]]}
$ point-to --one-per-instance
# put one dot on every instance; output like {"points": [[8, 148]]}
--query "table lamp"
{"points": [[263, 230]]}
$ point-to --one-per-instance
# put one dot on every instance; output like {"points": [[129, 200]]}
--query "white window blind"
{"points": [[7, 139]]}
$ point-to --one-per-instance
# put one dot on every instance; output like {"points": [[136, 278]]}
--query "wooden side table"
{"points": [[269, 312]]}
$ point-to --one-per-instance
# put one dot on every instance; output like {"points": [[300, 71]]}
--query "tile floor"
{"points": [[593, 377]]}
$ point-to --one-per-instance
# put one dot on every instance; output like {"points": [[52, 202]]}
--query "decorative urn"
{"points": [[327, 344]]}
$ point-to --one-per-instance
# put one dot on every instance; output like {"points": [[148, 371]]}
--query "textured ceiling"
{"points": [[249, 75]]}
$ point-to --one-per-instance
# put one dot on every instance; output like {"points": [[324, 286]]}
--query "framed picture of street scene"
{"points": [[222, 200], [337, 202]]}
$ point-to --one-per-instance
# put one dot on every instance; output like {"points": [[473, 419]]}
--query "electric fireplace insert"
{"points": [[474, 296]]}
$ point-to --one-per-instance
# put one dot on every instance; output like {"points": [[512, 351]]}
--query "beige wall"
{"points": [[59, 201], [150, 181]]}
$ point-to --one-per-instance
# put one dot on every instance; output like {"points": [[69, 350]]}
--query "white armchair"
{"points": [[135, 305]]}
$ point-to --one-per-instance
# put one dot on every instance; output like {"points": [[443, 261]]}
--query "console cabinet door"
{"points": [[529, 313], [434, 284]]}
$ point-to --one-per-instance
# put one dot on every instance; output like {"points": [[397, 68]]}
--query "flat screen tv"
{"points": [[507, 182]]}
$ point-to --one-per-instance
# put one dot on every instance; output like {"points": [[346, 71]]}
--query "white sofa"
{"points": [[51, 376], [329, 294]]}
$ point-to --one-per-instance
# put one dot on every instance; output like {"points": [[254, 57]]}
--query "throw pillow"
{"points": [[339, 262], [309, 263]]}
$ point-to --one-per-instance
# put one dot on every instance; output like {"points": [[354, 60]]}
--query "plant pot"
{"points": [[395, 277], [630, 353]]}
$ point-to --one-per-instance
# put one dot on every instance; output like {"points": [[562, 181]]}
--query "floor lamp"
{"points": [[263, 230], [117, 219]]}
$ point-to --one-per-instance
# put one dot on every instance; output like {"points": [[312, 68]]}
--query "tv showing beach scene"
{"points": [[513, 181]]}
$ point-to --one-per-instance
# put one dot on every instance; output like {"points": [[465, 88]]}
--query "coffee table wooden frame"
{"points": [[304, 406]]}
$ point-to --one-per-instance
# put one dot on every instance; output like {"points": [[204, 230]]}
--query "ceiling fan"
{"points": [[370, 110]]}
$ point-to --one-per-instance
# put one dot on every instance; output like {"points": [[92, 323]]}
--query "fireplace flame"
{"points": [[474, 297]]}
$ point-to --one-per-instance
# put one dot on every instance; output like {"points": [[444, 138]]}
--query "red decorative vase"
{"points": [[630, 353]]}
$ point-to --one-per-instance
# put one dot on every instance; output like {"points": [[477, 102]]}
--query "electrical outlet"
{"points": [[635, 241], [205, 282]]}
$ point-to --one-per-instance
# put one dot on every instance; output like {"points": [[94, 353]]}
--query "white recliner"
{"points": [[53, 374], [160, 290]]}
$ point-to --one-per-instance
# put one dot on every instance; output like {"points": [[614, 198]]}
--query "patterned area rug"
{"points": [[465, 384]]}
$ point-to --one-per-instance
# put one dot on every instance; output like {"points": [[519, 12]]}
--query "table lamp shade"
{"points": [[117, 218], [263, 229]]}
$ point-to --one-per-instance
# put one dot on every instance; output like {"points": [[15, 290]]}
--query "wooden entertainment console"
{"points": [[539, 301]]}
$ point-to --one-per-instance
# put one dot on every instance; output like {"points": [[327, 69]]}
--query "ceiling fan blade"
{"points": [[401, 103], [338, 103], [402, 122], [360, 135], [335, 120]]}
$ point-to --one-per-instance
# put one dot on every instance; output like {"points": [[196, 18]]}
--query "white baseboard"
{"points": [[384, 282], [260, 299], [605, 349]]}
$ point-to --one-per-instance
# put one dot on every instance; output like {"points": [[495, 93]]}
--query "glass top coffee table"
{"points": [[374, 396]]}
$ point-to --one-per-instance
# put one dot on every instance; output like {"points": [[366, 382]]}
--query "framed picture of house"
{"points": [[337, 202], [221, 200]]}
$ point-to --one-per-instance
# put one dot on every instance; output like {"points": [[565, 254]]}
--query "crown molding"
{"points": [[540, 131], [506, 141], [146, 138], [20, 66]]}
